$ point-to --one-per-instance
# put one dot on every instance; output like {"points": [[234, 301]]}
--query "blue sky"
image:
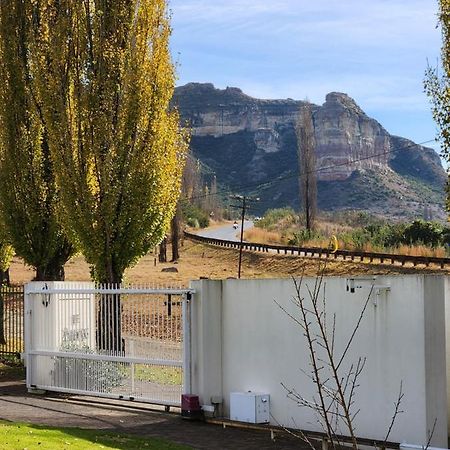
{"points": [[374, 50]]}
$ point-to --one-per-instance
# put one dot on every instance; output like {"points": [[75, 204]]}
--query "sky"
{"points": [[376, 51]]}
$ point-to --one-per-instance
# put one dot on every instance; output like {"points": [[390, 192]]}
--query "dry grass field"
{"points": [[198, 260], [261, 236], [283, 231]]}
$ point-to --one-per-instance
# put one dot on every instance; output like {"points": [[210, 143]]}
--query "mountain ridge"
{"points": [[239, 137]]}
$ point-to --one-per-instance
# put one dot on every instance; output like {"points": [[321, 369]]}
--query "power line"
{"points": [[292, 174]]}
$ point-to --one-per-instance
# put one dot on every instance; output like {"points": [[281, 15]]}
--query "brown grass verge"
{"points": [[261, 236], [198, 260]]}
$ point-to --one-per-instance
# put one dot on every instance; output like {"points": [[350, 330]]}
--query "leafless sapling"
{"points": [[336, 382]]}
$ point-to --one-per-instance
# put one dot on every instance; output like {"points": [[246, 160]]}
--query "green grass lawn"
{"points": [[32, 437], [159, 374]]}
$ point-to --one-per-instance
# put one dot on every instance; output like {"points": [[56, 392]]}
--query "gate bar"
{"points": [[82, 291], [100, 357], [106, 395]]}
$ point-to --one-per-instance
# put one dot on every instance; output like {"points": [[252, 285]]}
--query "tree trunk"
{"points": [[109, 318], [163, 251], [109, 325], [4, 277], [307, 205], [50, 272], [175, 230], [53, 270]]}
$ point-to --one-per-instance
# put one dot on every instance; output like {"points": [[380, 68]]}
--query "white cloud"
{"points": [[367, 19], [315, 33], [375, 50]]}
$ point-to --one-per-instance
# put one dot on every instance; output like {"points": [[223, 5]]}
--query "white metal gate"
{"points": [[109, 341]]}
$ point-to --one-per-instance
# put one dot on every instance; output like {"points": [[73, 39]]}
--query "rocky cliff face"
{"points": [[345, 134], [244, 139]]}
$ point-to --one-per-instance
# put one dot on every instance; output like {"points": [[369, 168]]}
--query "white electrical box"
{"points": [[251, 407]]}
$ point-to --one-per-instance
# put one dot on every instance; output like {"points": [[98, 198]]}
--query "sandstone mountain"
{"points": [[250, 145]]}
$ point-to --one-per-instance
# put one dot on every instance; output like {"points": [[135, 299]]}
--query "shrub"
{"points": [[194, 216], [300, 237], [389, 235], [360, 237], [446, 236], [421, 232], [429, 234], [88, 375], [192, 222], [273, 217], [356, 218]]}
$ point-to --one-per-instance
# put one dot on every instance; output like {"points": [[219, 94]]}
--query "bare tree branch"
{"points": [[336, 387], [397, 411], [431, 434]]}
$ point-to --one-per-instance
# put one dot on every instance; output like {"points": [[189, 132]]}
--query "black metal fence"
{"points": [[11, 320]]}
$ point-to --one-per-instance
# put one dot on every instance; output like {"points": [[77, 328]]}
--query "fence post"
{"points": [[27, 333], [186, 317], [3, 339]]}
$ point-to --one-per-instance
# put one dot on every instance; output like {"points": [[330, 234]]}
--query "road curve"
{"points": [[225, 232]]}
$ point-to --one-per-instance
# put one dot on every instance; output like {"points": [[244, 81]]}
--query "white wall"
{"points": [[243, 341]]}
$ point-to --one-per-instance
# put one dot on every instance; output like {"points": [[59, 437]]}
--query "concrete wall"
{"points": [[242, 340]]}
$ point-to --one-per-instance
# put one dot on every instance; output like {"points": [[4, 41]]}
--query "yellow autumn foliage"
{"points": [[104, 77], [29, 196]]}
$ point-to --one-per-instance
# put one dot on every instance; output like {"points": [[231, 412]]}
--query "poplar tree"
{"points": [[437, 87], [306, 152], [105, 79], [28, 193]]}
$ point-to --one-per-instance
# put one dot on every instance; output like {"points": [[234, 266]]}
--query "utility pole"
{"points": [[243, 207]]}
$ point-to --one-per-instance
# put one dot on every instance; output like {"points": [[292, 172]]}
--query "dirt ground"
{"points": [[199, 260]]}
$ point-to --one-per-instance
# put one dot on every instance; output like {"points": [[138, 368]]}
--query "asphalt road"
{"points": [[226, 232]]}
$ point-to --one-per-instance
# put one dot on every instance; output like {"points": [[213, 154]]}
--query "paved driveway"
{"points": [[87, 412]]}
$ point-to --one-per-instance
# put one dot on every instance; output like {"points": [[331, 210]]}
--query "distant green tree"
{"points": [[422, 232], [437, 86]]}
